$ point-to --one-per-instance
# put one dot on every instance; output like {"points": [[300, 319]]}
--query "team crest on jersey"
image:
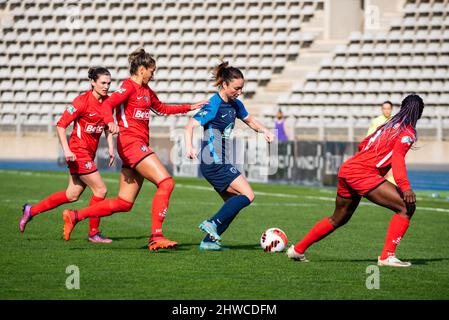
{"points": [[407, 139], [88, 165], [71, 109], [144, 98], [202, 113], [120, 90], [144, 148]]}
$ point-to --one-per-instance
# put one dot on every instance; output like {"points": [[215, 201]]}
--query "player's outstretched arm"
{"points": [[257, 126]]}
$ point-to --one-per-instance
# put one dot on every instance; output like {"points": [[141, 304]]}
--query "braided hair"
{"points": [[411, 110]]}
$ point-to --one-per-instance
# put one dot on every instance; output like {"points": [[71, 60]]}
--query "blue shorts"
{"points": [[220, 176]]}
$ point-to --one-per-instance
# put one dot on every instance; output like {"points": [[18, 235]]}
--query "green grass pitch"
{"points": [[33, 265]]}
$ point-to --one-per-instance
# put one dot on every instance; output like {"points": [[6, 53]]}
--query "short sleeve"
{"points": [[208, 112], [72, 112], [242, 113]]}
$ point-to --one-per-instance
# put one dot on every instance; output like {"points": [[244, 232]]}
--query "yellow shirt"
{"points": [[376, 122]]}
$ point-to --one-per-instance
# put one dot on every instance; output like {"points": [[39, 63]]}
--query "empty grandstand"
{"points": [[327, 64]]}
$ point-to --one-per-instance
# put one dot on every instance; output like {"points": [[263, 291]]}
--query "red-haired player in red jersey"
{"points": [[363, 176], [85, 112], [133, 102]]}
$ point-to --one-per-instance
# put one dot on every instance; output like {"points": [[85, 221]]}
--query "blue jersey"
{"points": [[218, 119]]}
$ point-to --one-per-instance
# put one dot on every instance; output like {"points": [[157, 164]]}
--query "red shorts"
{"points": [[132, 153], [81, 167], [359, 185]]}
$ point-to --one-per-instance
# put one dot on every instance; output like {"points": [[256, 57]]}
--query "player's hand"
{"points": [[198, 105], [269, 136], [191, 153], [113, 128], [69, 155], [111, 158], [409, 196]]}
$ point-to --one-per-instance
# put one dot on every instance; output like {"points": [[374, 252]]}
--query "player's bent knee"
{"points": [[250, 195], [167, 185], [410, 209], [72, 197], [101, 192], [123, 205]]}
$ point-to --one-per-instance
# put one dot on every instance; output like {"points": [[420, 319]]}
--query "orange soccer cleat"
{"points": [[161, 242], [70, 221]]}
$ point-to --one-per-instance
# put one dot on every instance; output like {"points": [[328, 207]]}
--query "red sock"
{"points": [[53, 201], [318, 232], [396, 230], [160, 205], [105, 208], [94, 222]]}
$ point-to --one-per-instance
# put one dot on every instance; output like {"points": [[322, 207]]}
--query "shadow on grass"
{"points": [[414, 261]]}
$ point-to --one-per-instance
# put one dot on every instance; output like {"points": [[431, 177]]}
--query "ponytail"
{"points": [[140, 58], [225, 73]]}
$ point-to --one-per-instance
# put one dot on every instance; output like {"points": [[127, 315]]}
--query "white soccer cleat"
{"points": [[392, 261], [292, 254]]}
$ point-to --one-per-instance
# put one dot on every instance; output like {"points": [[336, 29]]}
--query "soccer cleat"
{"points": [[209, 245], [292, 254], [161, 243], [211, 229], [26, 217], [392, 261], [70, 221], [99, 238]]}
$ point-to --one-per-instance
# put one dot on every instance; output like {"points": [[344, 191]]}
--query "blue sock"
{"points": [[227, 213]]}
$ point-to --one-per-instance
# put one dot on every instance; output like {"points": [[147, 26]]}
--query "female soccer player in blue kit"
{"points": [[218, 119]]}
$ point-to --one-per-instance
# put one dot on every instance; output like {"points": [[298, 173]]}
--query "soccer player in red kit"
{"points": [[133, 102], [363, 176], [85, 112]]}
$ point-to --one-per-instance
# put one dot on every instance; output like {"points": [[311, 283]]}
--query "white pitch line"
{"points": [[281, 195]]}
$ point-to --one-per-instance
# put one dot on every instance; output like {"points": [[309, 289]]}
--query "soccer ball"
{"points": [[273, 240]]}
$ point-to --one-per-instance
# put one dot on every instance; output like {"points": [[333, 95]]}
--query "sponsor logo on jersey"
{"points": [[202, 113], [88, 165], [93, 128], [407, 139], [71, 109], [141, 114], [92, 114], [144, 148], [120, 90], [233, 170]]}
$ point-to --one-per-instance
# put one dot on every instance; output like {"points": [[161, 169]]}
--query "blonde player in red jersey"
{"points": [[363, 176], [133, 102], [79, 152]]}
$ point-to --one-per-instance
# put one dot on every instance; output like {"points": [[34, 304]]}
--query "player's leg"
{"points": [[237, 196], [130, 184], [99, 190], [388, 196], [152, 169], [344, 208], [74, 189]]}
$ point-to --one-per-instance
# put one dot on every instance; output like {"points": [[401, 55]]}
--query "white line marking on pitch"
{"points": [[280, 195]]}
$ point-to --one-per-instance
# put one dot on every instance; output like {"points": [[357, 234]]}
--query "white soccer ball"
{"points": [[273, 240]]}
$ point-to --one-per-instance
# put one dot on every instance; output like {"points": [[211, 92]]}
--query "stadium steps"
{"points": [[295, 71]]}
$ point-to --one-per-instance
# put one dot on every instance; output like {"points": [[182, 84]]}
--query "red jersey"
{"points": [[133, 103], [86, 112], [380, 151]]}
